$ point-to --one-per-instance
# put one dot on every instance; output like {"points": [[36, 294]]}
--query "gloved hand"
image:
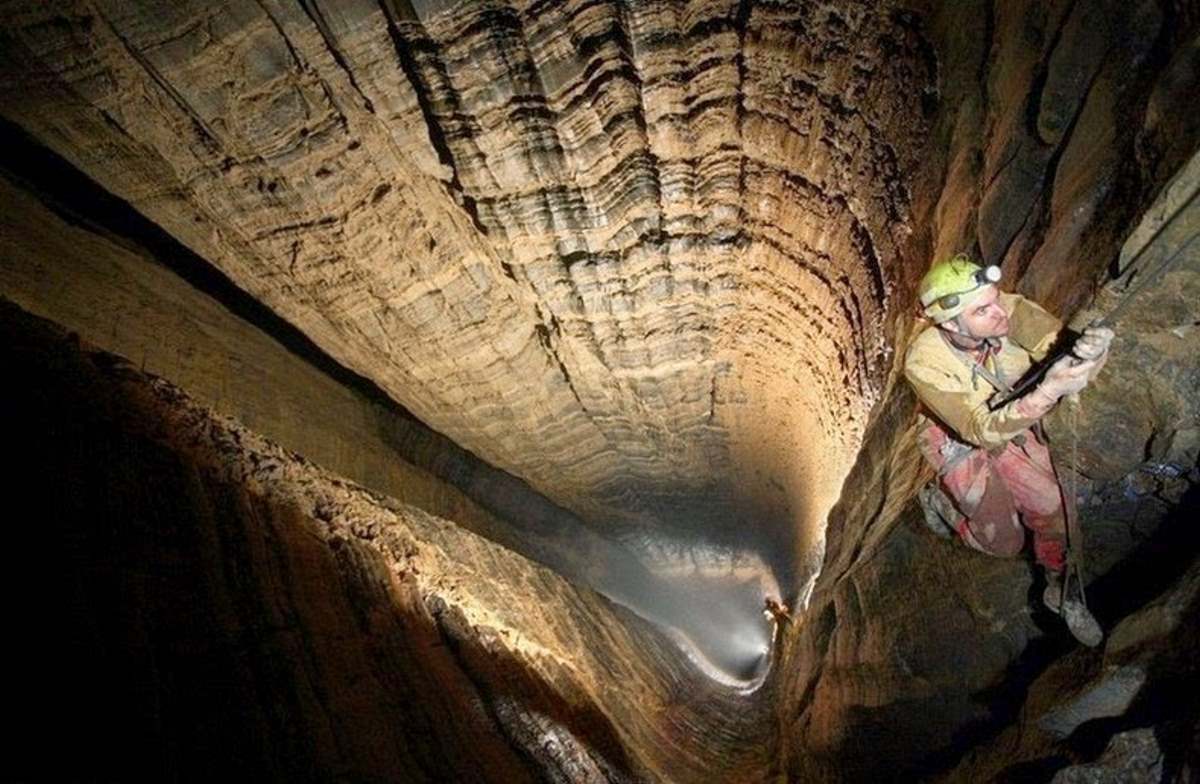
{"points": [[1068, 375], [1093, 343]]}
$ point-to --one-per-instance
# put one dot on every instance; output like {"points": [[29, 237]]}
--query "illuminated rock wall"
{"points": [[591, 242], [227, 610], [658, 259]]}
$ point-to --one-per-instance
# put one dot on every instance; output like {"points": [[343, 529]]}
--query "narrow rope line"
{"points": [[1074, 538]]}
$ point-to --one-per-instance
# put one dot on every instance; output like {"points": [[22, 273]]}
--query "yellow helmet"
{"points": [[950, 286]]}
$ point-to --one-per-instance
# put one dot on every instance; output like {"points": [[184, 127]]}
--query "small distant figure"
{"points": [[776, 611]]}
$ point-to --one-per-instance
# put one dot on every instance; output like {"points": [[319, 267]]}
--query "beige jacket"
{"points": [[948, 389]]}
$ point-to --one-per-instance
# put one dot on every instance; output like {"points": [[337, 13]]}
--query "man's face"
{"points": [[983, 318]]}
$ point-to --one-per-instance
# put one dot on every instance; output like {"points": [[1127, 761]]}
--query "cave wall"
{"points": [[1125, 714], [1152, 300], [72, 253], [1056, 149], [112, 293], [219, 607], [618, 231], [635, 254]]}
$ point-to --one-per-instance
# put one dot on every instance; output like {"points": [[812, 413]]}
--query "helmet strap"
{"points": [[958, 335]]}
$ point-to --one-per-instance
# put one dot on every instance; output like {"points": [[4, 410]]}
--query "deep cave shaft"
{"points": [[348, 319]]}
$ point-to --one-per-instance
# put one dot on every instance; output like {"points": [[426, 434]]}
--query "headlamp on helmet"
{"points": [[982, 277], [950, 286]]}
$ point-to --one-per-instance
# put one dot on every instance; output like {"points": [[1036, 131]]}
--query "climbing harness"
{"points": [[1068, 490], [939, 511]]}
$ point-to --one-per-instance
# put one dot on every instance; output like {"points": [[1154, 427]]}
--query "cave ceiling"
{"points": [[639, 254]]}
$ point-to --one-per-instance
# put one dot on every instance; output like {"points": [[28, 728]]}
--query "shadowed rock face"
{"points": [[651, 260], [226, 609]]}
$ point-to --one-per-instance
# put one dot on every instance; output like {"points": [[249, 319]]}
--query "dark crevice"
{"points": [[1004, 701], [1041, 77], [406, 58], [1039, 208], [314, 14], [450, 642], [83, 203], [601, 745], [543, 334], [1142, 575]]}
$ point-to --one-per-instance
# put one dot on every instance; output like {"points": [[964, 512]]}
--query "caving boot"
{"points": [[1052, 595], [1072, 608], [939, 512]]}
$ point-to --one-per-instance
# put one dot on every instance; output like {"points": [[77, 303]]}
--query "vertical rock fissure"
{"points": [[314, 14], [437, 136]]}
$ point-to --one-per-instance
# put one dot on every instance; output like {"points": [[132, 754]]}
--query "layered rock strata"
{"points": [[589, 242], [75, 255], [656, 259], [79, 258]]}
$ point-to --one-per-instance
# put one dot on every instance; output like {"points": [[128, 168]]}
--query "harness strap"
{"points": [[1074, 538], [979, 369]]}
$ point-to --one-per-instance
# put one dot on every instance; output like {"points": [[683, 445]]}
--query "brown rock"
{"points": [[656, 260]]}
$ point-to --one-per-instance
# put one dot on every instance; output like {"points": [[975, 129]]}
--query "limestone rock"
{"points": [[1123, 713], [1133, 756], [1110, 696], [657, 260], [1143, 404], [256, 616], [1042, 210], [614, 231]]}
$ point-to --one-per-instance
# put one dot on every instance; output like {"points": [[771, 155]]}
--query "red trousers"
{"points": [[998, 493]]}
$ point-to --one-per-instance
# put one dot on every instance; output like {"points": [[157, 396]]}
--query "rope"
{"points": [[1137, 279], [1136, 284], [1071, 510]]}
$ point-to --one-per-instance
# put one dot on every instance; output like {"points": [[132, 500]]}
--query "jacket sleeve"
{"points": [[957, 403], [1031, 326]]}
